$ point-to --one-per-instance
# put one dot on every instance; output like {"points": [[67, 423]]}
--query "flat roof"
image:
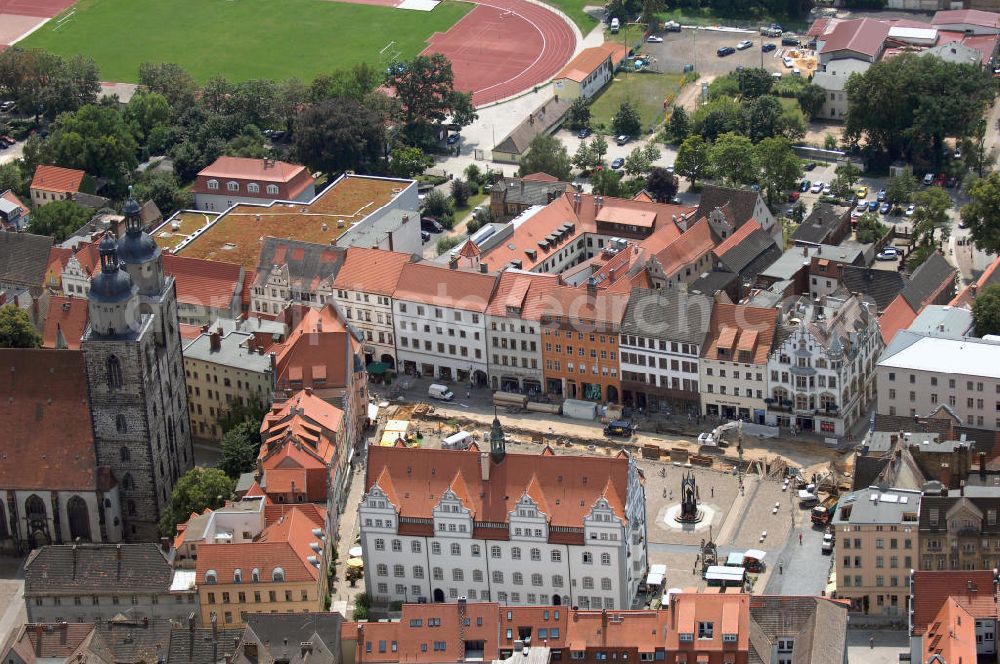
{"points": [[188, 222], [966, 356], [912, 33], [236, 236]]}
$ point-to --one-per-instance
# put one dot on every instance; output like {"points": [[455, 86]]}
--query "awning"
{"points": [[658, 569], [726, 574], [372, 412], [735, 559], [356, 562], [755, 554], [654, 579], [377, 368]]}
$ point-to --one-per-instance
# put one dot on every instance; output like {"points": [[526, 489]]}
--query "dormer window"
{"points": [[272, 189], [211, 577], [233, 186], [213, 184], [237, 575], [253, 188], [255, 575], [278, 575]]}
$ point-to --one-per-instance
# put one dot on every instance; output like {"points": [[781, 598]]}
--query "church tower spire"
{"points": [[498, 446]]}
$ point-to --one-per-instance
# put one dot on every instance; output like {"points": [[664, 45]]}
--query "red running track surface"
{"points": [[504, 47], [42, 8]]}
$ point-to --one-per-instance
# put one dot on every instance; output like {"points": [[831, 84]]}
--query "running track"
{"points": [[505, 47]]}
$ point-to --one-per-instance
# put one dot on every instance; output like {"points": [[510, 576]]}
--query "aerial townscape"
{"points": [[508, 331]]}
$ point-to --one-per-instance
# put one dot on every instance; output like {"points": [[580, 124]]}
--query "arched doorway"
{"points": [[38, 521], [479, 378], [612, 394], [556, 600], [79, 519], [438, 595], [389, 360]]}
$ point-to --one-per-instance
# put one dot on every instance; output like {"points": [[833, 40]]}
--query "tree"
{"points": [[870, 228], [45, 83], [146, 111], [637, 162], [978, 155], [11, 178], [188, 159], [650, 9], [162, 189], [930, 213], [811, 98], [473, 174], [626, 121], [798, 212], [240, 447], [732, 158], [986, 311], [763, 118], [460, 192], [849, 172], [779, 167], [600, 147], [425, 92], [661, 184], [407, 162], [606, 182], [900, 187], [59, 219], [693, 160], [356, 83], [578, 115], [96, 140], [436, 204], [754, 82], [341, 134], [243, 411], [585, 158], [197, 490], [546, 154], [982, 213], [679, 126], [16, 330], [716, 118], [169, 80]]}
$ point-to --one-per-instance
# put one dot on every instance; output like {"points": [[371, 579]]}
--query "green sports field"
{"points": [[240, 39]]}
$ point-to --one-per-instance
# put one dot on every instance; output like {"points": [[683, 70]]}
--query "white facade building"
{"points": [[821, 371], [537, 545]]}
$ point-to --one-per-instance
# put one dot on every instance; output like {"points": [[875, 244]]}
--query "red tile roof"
{"points": [[520, 294], [203, 282], [741, 234], [589, 59], [283, 544], [694, 243], [970, 16], [316, 352], [65, 323], [897, 316], [729, 612], [989, 276], [540, 177], [35, 642], [439, 285], [11, 197], [737, 327], [371, 270], [415, 478], [863, 35], [565, 303], [58, 257], [294, 178], [49, 442], [932, 589], [951, 636], [57, 179]]}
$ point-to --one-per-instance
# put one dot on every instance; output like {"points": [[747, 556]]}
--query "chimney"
{"points": [[39, 632], [165, 544], [309, 391], [390, 240], [215, 342], [484, 465], [484, 268], [982, 466]]}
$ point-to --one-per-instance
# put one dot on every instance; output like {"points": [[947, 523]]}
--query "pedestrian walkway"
{"points": [[342, 594]]}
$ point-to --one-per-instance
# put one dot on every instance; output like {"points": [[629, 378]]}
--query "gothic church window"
{"points": [[114, 373]]}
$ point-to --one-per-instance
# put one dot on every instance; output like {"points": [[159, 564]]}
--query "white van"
{"points": [[457, 441], [440, 392], [615, 26]]}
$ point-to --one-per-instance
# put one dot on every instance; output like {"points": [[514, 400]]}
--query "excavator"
{"points": [[715, 437]]}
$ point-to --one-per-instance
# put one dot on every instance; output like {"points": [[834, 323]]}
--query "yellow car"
{"points": [[861, 192]]}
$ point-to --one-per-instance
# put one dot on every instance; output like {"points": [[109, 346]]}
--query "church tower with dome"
{"points": [[135, 376]]}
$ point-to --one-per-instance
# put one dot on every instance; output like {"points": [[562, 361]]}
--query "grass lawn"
{"points": [[240, 39], [645, 90], [706, 17], [574, 9], [791, 107]]}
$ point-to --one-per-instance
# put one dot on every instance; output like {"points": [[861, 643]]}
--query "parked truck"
{"points": [[822, 514]]}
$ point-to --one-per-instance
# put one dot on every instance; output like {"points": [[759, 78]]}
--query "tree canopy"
{"points": [[626, 120], [341, 134], [661, 185], [240, 446], [426, 95], [196, 490], [546, 154], [982, 213], [16, 330], [732, 157], [986, 311], [59, 219], [778, 165], [693, 160], [43, 83]]}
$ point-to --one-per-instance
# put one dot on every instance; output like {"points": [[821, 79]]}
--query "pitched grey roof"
{"points": [[741, 202], [281, 635], [97, 568], [866, 471], [136, 641], [712, 282], [670, 314], [927, 279], [981, 504], [753, 254], [308, 263], [540, 121], [816, 625], [23, 259], [519, 191], [820, 223], [882, 285], [197, 645]]}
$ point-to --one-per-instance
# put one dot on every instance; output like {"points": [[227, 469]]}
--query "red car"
{"points": [[940, 180], [793, 197]]}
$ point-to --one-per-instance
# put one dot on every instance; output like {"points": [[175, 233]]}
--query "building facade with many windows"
{"points": [[959, 531], [437, 525]]}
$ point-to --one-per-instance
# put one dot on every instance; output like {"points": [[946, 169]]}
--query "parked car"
{"points": [[963, 224], [584, 133], [768, 47], [617, 163], [454, 138], [620, 428], [881, 195], [884, 208], [793, 197], [888, 254], [940, 180], [723, 51], [622, 140], [861, 191], [958, 153], [788, 62], [654, 39], [744, 45], [928, 178], [910, 210], [672, 26], [430, 225], [810, 166], [804, 186], [790, 40], [862, 205], [7, 106], [873, 206], [425, 236], [817, 187], [827, 189]]}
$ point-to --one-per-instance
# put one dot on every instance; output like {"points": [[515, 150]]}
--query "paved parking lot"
{"points": [[698, 47]]}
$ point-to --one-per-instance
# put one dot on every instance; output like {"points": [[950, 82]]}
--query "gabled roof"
{"points": [[881, 285], [441, 286], [668, 313], [24, 258], [96, 567], [521, 294], [309, 263], [754, 251], [897, 316], [318, 352], [48, 437], [57, 179], [281, 636], [76, 642], [65, 322], [604, 308], [863, 35], [570, 484], [371, 270], [969, 16], [202, 645], [929, 280], [991, 275], [816, 625], [736, 238], [539, 121], [295, 176], [305, 419], [589, 59], [204, 283], [971, 589], [820, 224], [693, 243], [737, 327], [741, 202], [134, 640]]}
